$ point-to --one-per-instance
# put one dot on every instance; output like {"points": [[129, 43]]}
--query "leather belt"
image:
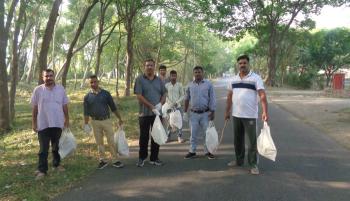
{"points": [[199, 111]]}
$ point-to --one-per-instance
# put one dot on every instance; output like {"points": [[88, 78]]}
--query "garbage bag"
{"points": [[265, 144], [67, 143], [211, 138], [175, 119], [158, 132], [121, 142]]}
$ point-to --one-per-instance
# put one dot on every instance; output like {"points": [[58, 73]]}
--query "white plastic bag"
{"points": [[121, 142], [165, 108], [67, 143], [265, 144], [211, 138], [158, 132], [175, 119]]}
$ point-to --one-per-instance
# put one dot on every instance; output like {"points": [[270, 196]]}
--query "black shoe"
{"points": [[102, 165], [140, 163], [190, 155], [118, 164], [210, 156], [156, 162]]}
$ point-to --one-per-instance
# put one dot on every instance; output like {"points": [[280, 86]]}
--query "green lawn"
{"points": [[19, 148]]}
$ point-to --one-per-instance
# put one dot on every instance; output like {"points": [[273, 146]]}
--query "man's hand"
{"points": [[158, 106], [87, 129], [156, 112], [185, 117], [211, 115], [66, 124], [35, 128], [227, 116], [264, 116]]}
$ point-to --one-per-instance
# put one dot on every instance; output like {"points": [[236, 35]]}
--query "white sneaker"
{"points": [[254, 170], [180, 140]]}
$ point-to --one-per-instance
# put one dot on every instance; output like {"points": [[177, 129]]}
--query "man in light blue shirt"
{"points": [[200, 95]]}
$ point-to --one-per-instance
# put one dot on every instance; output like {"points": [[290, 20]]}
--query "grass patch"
{"points": [[19, 147]]}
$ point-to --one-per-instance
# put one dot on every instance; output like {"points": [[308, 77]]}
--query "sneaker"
{"points": [[102, 165], [210, 156], [180, 140], [140, 163], [254, 170], [190, 155], [40, 176], [118, 164], [156, 162], [233, 164]]}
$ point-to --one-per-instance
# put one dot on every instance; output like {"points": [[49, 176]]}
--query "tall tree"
{"points": [[4, 35], [45, 44], [235, 18], [74, 41], [15, 58]]}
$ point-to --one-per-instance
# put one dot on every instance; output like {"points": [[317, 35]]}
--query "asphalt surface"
{"points": [[310, 166]]}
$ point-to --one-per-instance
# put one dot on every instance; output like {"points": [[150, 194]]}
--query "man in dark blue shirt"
{"points": [[97, 104]]}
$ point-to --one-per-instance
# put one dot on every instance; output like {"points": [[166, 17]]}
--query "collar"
{"points": [[144, 76], [98, 91], [248, 75], [202, 81]]}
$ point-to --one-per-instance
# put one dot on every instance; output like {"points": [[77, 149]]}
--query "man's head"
{"points": [[173, 76], [162, 70], [243, 64], [49, 77], [198, 73], [93, 80], [149, 66]]}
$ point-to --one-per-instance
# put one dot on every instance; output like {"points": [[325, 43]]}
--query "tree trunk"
{"points": [[160, 43], [15, 59], [117, 61], [45, 44], [184, 80], [129, 55], [75, 39], [4, 35], [272, 58], [88, 66], [31, 71]]}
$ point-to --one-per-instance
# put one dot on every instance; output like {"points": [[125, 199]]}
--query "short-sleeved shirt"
{"points": [[151, 90], [201, 95], [98, 105], [245, 95], [50, 104]]}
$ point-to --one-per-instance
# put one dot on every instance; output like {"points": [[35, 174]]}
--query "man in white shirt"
{"points": [[242, 104], [174, 98]]}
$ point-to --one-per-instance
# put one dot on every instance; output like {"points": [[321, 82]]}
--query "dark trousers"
{"points": [[45, 137], [240, 127], [146, 124]]}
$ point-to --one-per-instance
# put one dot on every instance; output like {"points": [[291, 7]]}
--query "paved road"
{"points": [[310, 166]]}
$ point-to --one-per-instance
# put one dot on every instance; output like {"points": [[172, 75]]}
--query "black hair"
{"points": [[149, 60], [198, 68], [93, 76], [162, 66], [244, 56], [48, 70], [173, 72]]}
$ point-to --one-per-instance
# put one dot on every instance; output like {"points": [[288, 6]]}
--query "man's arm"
{"points": [[263, 100], [34, 118], [144, 101], [118, 116], [66, 115], [228, 105]]}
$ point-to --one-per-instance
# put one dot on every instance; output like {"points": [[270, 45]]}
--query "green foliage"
{"points": [[300, 81]]}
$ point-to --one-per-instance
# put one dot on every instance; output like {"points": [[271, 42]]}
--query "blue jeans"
{"points": [[199, 124]]}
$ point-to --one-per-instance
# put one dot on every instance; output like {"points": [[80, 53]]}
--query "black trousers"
{"points": [[45, 137], [242, 126], [146, 124]]}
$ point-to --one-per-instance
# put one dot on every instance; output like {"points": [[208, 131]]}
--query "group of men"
{"points": [[50, 113]]}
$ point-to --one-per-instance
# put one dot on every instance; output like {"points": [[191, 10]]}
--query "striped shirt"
{"points": [[245, 95]]}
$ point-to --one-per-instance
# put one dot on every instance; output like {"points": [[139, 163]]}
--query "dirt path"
{"points": [[331, 115]]}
